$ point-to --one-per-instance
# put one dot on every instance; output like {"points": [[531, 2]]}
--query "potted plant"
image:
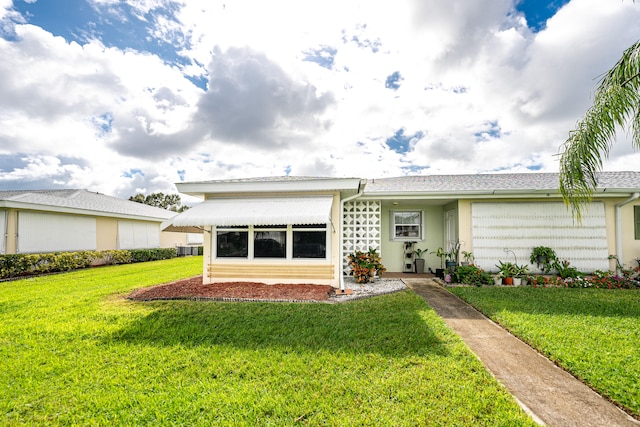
{"points": [[497, 279], [520, 273], [543, 257], [440, 253], [450, 263], [508, 270], [468, 258], [419, 261], [365, 265], [454, 255]]}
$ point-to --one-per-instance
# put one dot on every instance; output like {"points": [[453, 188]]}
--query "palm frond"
{"points": [[616, 104]]}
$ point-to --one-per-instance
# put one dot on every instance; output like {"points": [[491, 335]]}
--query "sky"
{"points": [[125, 97]]}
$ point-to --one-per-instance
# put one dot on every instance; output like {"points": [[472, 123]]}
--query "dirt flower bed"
{"points": [[193, 288]]}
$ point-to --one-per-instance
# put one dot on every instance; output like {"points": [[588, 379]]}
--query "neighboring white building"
{"points": [[38, 221], [300, 229]]}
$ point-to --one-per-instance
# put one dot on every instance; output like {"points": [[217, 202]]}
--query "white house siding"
{"points": [[3, 232], [44, 232], [138, 235], [519, 227]]}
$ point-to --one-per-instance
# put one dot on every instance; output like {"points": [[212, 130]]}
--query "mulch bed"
{"points": [[193, 288]]}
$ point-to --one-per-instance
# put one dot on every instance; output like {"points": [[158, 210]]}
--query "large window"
{"points": [[278, 241], [310, 241], [407, 225], [636, 221], [270, 242], [232, 243]]}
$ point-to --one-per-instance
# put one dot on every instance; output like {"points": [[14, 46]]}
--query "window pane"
{"points": [[309, 244], [232, 244], [407, 231], [407, 218], [407, 225], [270, 244]]}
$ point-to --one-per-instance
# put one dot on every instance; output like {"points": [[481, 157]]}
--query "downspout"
{"points": [[361, 185], [619, 206]]}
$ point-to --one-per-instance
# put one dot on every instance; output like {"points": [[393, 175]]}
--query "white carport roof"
{"points": [[229, 212]]}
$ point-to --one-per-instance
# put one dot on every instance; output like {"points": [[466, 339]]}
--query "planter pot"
{"points": [[450, 264], [440, 273], [419, 266], [464, 263], [508, 281], [517, 281], [497, 281]]}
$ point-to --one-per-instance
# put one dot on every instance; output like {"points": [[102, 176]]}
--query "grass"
{"points": [[593, 333], [73, 351]]}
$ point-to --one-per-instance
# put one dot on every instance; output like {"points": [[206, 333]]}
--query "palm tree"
{"points": [[616, 103]]}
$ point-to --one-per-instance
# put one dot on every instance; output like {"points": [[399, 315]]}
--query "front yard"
{"points": [[593, 333], [73, 351]]}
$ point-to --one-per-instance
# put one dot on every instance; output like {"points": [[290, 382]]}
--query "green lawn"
{"points": [[593, 333], [74, 352]]}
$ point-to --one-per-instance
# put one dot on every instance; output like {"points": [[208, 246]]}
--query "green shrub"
{"points": [[144, 255], [472, 275], [17, 265], [112, 257]]}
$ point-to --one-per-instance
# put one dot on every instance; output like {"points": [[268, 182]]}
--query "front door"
{"points": [[450, 229]]}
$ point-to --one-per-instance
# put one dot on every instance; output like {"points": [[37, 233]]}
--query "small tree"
{"points": [[171, 202]]}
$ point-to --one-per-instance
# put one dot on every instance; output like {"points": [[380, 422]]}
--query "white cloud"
{"points": [[482, 91]]}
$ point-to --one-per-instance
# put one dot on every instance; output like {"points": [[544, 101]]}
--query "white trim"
{"points": [[275, 186], [392, 225]]}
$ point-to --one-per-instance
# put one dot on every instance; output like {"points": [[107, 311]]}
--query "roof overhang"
{"points": [[230, 212], [77, 211], [345, 186], [481, 194]]}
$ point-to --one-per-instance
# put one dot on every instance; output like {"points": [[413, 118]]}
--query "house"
{"points": [[38, 221], [300, 229]]}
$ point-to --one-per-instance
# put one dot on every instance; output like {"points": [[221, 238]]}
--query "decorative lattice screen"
{"points": [[361, 227]]}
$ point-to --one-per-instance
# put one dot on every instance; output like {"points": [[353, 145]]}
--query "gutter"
{"points": [[619, 206], [361, 186]]}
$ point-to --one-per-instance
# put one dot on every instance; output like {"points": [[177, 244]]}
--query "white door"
{"points": [[450, 229]]}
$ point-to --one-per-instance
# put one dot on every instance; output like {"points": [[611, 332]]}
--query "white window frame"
{"points": [[214, 241], [310, 227], [392, 224], [289, 239], [276, 228]]}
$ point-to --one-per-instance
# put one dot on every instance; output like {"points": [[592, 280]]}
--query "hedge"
{"points": [[18, 265]]}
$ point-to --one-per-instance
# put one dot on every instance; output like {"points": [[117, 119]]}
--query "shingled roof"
{"points": [[534, 182], [81, 202]]}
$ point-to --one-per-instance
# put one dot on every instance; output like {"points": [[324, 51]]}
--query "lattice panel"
{"points": [[361, 228]]}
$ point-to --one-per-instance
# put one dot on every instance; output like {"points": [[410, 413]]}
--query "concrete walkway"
{"points": [[549, 394]]}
